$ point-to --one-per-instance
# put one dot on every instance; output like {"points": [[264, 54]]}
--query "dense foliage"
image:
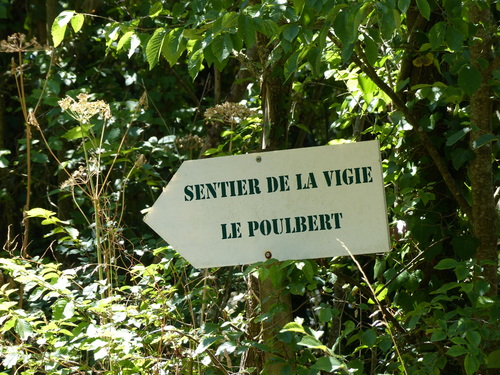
{"points": [[99, 111]]}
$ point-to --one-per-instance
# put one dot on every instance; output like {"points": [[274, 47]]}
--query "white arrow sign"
{"points": [[292, 204]]}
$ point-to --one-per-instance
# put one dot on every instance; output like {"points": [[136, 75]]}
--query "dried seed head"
{"points": [[83, 109]]}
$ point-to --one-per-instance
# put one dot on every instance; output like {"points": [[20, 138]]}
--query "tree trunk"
{"points": [[481, 172]]}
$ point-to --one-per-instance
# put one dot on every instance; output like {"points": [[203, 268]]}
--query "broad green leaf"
{"points": [[473, 337], [485, 138], [173, 46], [290, 31], [155, 9], [293, 327], [424, 8], [328, 364], [291, 65], [311, 342], [438, 335], [205, 344], [371, 51], [445, 264], [437, 35], [195, 61], [78, 132], [455, 137], [369, 337], [226, 348], [154, 47], [40, 212], [457, 350], [246, 30], [469, 79], [403, 5], [454, 38], [124, 39], [59, 26], [222, 47], [471, 364], [77, 22], [23, 329], [494, 359]]}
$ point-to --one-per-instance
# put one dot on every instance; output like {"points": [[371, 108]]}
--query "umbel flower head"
{"points": [[82, 110]]}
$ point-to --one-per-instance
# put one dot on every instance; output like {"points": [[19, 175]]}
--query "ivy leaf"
{"points": [[77, 22], [424, 8], [59, 26], [154, 47], [469, 79]]}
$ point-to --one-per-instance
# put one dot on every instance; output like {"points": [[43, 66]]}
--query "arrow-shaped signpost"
{"points": [[292, 204]]}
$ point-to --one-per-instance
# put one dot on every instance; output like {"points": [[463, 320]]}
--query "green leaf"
{"points": [[454, 38], [226, 348], [124, 39], [155, 9], [445, 264], [205, 344], [291, 65], [173, 46], [195, 62], [293, 327], [154, 47], [438, 336], [437, 35], [23, 329], [403, 5], [456, 351], [222, 47], [59, 26], [246, 30], [485, 138], [40, 212], [473, 337], [311, 342], [494, 359], [424, 8], [77, 22], [78, 132], [290, 32], [471, 364], [455, 137], [328, 364], [371, 50], [469, 79]]}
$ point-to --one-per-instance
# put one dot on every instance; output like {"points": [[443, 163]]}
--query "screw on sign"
{"points": [[291, 204]]}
